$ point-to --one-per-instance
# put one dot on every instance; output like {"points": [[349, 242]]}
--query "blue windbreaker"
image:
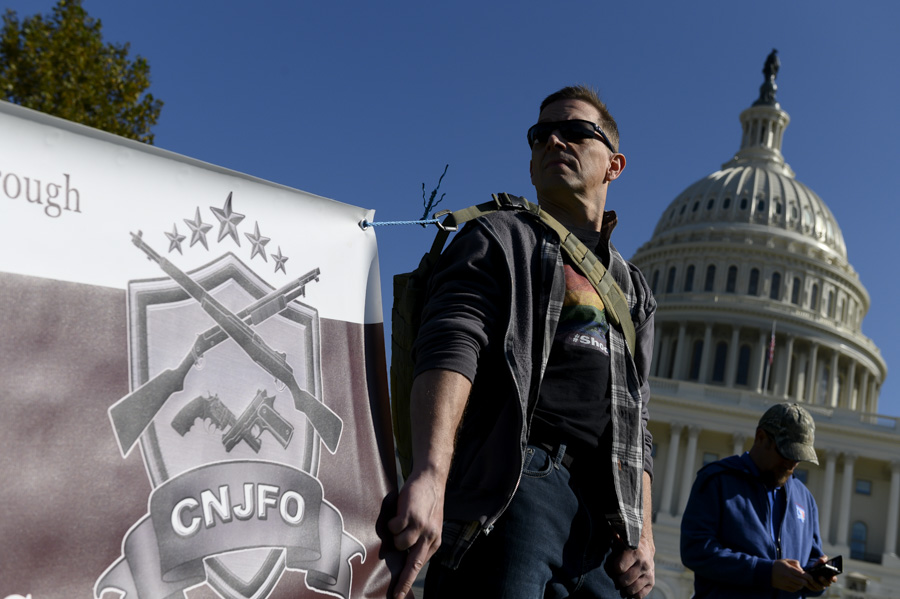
{"points": [[726, 538]]}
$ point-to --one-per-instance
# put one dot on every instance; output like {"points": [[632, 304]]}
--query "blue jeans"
{"points": [[547, 544]]}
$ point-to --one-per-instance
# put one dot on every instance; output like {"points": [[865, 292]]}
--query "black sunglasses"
{"points": [[574, 130]]}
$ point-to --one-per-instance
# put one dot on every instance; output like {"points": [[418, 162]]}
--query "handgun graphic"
{"points": [[210, 407], [259, 416]]}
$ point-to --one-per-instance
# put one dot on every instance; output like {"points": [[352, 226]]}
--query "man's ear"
{"points": [[616, 166], [761, 436], [531, 170]]}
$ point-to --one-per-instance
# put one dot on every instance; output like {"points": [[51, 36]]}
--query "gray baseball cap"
{"points": [[793, 430]]}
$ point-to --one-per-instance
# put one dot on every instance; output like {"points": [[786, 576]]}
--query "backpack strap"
{"points": [[612, 295], [584, 259], [499, 201]]}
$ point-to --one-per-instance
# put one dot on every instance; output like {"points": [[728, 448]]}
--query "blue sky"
{"points": [[363, 102]]}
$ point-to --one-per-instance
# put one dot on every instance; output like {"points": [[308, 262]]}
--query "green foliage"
{"points": [[58, 64]]}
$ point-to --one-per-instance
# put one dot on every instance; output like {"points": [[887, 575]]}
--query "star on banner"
{"points": [[259, 243], [228, 220], [198, 229], [279, 261], [175, 240]]}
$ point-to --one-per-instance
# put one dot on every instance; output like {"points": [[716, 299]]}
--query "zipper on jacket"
{"points": [[771, 523], [489, 525]]}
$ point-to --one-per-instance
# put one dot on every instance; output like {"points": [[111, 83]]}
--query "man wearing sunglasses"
{"points": [[750, 528], [531, 457]]}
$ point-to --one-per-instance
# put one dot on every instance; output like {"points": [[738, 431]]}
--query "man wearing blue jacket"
{"points": [[750, 528]]}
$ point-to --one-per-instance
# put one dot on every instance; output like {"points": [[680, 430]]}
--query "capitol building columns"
{"points": [[827, 498], [687, 475], [833, 380], [732, 362], [811, 374], [707, 351], [682, 352], [863, 391], [849, 401], [843, 528], [890, 545], [671, 468], [802, 371], [785, 362], [760, 362]]}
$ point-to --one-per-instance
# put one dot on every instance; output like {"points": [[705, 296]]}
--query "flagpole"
{"points": [[770, 356]]}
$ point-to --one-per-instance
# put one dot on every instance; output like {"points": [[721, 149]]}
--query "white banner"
{"points": [[193, 399]]}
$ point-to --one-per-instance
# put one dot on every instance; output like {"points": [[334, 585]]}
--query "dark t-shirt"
{"points": [[573, 404]]}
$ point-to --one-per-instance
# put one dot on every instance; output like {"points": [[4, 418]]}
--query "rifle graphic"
{"points": [[132, 414], [259, 416], [203, 407], [326, 422]]}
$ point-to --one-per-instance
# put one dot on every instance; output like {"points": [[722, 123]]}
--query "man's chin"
{"points": [[558, 184], [782, 479], [775, 480]]}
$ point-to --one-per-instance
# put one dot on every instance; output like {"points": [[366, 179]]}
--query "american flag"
{"points": [[772, 345]]}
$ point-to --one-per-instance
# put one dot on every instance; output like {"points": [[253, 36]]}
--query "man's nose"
{"points": [[555, 138]]}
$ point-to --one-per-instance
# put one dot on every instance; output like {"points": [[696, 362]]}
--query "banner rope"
{"points": [[364, 224], [430, 204]]}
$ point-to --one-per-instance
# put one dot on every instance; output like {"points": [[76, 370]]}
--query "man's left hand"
{"points": [[632, 569]]}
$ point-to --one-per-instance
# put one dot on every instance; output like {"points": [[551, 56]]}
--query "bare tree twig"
{"points": [[430, 203]]}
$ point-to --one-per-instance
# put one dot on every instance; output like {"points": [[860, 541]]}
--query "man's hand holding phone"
{"points": [[825, 572]]}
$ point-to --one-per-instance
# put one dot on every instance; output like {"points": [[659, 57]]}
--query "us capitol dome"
{"points": [[758, 304], [749, 247]]}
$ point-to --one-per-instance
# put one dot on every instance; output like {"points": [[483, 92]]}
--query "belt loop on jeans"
{"points": [[558, 453], [560, 456]]}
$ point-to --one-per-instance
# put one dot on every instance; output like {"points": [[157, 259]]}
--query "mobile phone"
{"points": [[832, 567]]}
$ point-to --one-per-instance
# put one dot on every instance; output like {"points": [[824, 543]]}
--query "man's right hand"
{"points": [[436, 406], [788, 575], [417, 526]]}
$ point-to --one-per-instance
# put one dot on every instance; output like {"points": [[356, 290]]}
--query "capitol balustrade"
{"points": [[752, 400]]}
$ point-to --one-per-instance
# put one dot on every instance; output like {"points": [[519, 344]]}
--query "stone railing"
{"points": [[752, 400]]}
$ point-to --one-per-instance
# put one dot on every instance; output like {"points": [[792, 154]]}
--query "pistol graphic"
{"points": [[323, 419], [133, 413], [259, 416], [210, 407]]}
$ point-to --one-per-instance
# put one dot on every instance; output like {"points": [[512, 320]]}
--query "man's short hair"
{"points": [[589, 95]]}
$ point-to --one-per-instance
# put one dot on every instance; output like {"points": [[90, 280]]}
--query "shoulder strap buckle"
{"points": [[505, 201], [447, 225]]}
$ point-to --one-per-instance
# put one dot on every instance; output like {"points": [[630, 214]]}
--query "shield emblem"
{"points": [[226, 406], [164, 323]]}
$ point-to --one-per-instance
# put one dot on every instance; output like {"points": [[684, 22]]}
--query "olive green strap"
{"points": [[584, 259], [613, 298], [455, 219]]}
